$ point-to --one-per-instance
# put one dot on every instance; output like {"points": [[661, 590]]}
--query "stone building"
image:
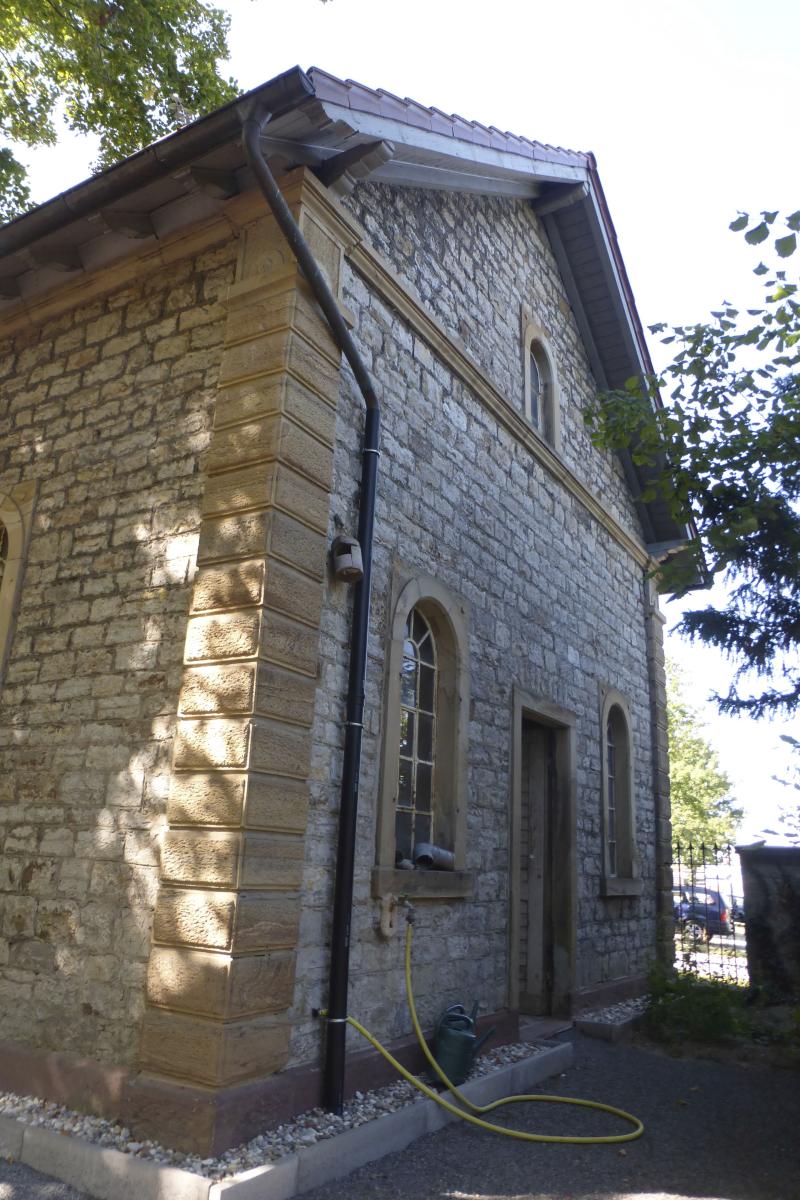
{"points": [[181, 443]]}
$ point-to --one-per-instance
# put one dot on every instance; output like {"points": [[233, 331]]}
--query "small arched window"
{"points": [[3, 551], [16, 510], [620, 863], [541, 396]]}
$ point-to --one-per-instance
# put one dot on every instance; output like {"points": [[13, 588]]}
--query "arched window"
{"points": [[414, 810], [620, 863], [423, 776], [16, 510], [541, 393], [3, 551]]}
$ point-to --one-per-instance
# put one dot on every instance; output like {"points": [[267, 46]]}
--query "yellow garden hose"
{"points": [[469, 1116]]}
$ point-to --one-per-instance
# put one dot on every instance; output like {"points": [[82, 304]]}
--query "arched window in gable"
{"points": [[541, 390]]}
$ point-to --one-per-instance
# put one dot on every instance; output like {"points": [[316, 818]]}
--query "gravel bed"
{"points": [[305, 1130], [615, 1014]]}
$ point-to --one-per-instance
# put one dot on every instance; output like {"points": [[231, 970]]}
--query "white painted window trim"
{"points": [[626, 880], [448, 616], [16, 513], [534, 335]]}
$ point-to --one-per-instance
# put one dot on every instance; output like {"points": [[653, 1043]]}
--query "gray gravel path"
{"points": [[714, 1131], [18, 1182]]}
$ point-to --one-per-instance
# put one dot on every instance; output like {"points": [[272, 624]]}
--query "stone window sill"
{"points": [[612, 886], [423, 885]]}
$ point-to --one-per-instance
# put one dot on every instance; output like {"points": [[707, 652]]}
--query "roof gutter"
{"points": [[333, 1079], [170, 154]]}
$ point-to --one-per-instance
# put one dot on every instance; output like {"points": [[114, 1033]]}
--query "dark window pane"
{"points": [[536, 388], [402, 833], [427, 687], [426, 649], [420, 627], [406, 732], [612, 858], [424, 787], [425, 738], [408, 684], [422, 829], [404, 784]]}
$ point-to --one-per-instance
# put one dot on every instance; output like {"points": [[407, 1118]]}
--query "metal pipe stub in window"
{"points": [[435, 858]]}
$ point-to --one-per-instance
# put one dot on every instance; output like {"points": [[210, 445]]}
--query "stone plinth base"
{"points": [[201, 1120]]}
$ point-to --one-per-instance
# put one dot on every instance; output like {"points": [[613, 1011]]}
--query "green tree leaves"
{"points": [[114, 66], [723, 451], [702, 808]]}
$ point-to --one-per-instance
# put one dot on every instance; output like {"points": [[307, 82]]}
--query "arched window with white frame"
{"points": [[16, 510], [541, 400], [620, 859], [426, 714]]}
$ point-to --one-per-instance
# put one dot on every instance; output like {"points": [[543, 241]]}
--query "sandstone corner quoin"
{"points": [[181, 444]]}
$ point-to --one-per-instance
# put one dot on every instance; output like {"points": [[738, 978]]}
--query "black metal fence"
{"points": [[708, 910]]}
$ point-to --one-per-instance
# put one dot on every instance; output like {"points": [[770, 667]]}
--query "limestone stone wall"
{"points": [[483, 266], [107, 408], [557, 606], [119, 643]]}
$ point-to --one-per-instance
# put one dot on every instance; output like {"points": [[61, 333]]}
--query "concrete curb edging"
{"points": [[608, 1031], [111, 1175]]}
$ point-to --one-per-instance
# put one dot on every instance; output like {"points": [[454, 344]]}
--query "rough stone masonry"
{"points": [[172, 706]]}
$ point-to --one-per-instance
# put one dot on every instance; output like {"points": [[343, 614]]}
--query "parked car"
{"points": [[701, 913]]}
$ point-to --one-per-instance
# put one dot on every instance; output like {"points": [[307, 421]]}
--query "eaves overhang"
{"points": [[321, 121]]}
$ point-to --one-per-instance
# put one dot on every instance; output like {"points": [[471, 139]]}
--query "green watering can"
{"points": [[455, 1042]]}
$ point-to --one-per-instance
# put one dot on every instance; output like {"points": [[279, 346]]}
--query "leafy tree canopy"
{"points": [[117, 68], [723, 451], [703, 810], [789, 817]]}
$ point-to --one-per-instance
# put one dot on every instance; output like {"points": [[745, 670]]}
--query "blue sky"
{"points": [[689, 108]]}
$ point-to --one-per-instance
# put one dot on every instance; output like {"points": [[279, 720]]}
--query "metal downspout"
{"points": [[333, 1079]]}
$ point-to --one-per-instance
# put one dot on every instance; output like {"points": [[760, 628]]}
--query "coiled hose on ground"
{"points": [[472, 1109]]}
